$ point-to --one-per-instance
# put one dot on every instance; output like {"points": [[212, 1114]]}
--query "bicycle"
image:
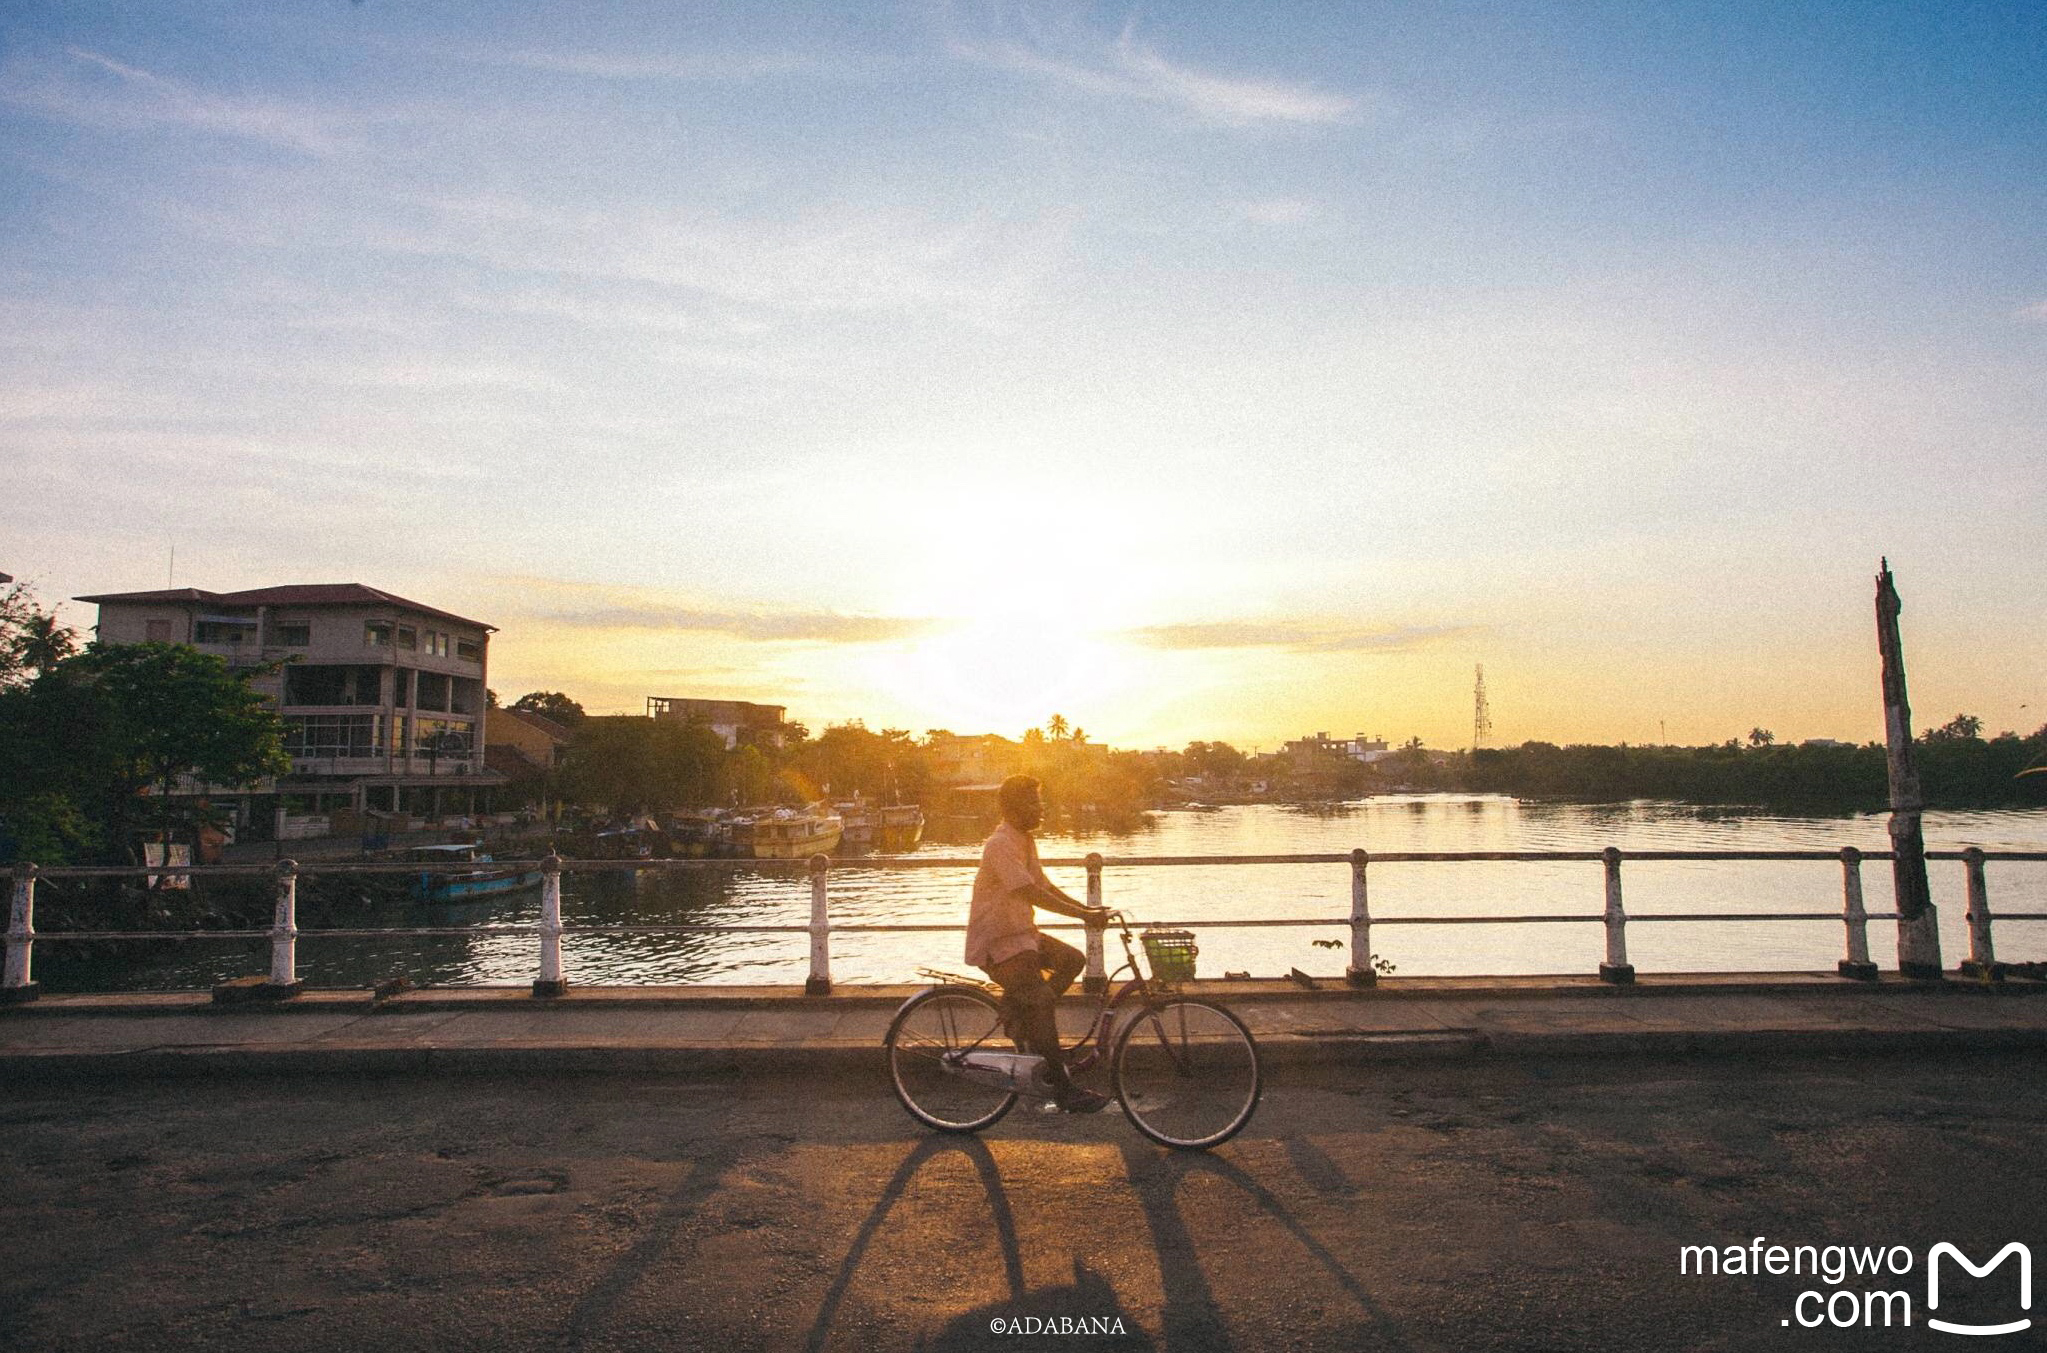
{"points": [[1185, 1071]]}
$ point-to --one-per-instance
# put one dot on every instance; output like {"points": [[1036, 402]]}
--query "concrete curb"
{"points": [[696, 1061]]}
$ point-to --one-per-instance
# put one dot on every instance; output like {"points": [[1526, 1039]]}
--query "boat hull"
{"points": [[796, 848], [474, 887]]}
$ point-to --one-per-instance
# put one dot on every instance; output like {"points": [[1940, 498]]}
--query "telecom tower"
{"points": [[1481, 717]]}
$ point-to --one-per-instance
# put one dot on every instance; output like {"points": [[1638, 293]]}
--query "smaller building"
{"points": [[521, 743], [736, 721], [1359, 748], [977, 761]]}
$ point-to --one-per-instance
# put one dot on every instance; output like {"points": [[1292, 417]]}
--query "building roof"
{"points": [[538, 721], [296, 594]]}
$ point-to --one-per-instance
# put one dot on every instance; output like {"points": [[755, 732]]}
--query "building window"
{"points": [[469, 650], [223, 632], [330, 735], [156, 631], [295, 636], [437, 643], [323, 684], [377, 634], [408, 637], [440, 738], [432, 690]]}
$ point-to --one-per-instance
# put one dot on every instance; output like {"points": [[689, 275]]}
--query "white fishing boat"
{"points": [[787, 833]]}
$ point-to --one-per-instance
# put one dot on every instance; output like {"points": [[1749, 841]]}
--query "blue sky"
{"points": [[1196, 370]]}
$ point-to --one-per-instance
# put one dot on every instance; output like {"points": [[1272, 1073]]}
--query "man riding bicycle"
{"points": [[1033, 969]]}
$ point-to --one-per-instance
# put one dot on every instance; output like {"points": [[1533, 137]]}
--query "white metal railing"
{"points": [[552, 980]]}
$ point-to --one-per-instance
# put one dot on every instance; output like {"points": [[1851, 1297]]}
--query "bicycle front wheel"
{"points": [[928, 1034], [1186, 1073]]}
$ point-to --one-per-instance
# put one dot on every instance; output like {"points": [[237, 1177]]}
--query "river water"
{"points": [[1209, 895]]}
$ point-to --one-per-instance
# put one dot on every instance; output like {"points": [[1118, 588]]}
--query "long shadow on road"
{"points": [[1191, 1316]]}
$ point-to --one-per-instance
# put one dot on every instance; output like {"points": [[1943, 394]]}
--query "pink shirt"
{"points": [[1001, 924]]}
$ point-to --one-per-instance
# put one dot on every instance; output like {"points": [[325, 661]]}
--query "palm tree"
{"points": [[43, 643], [1056, 726]]}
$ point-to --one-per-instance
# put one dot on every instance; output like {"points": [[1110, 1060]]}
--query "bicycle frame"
{"points": [[1103, 1021]]}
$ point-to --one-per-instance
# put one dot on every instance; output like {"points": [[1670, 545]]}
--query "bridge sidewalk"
{"points": [[699, 1029]]}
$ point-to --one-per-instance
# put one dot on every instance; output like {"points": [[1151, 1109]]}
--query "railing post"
{"points": [[1982, 961], [284, 935], [1094, 980], [1616, 969], [550, 982], [1360, 973], [21, 939], [1918, 936], [1857, 964], [819, 983]]}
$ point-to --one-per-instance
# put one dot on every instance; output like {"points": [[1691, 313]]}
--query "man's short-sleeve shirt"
{"points": [[1000, 923]]}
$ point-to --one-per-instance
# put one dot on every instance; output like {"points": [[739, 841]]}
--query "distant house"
{"points": [[523, 744], [736, 721], [382, 698], [1359, 748], [978, 761]]}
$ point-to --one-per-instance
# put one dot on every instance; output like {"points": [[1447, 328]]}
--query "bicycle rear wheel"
{"points": [[1186, 1073], [931, 1028]]}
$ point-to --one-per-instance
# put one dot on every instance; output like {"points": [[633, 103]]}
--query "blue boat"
{"points": [[469, 885]]}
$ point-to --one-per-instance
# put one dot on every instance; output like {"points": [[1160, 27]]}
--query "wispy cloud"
{"points": [[1277, 211], [1127, 68], [1295, 636], [90, 89], [694, 67], [2036, 312], [817, 627]]}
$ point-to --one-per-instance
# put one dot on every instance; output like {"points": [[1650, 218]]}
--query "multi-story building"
{"points": [[382, 698], [977, 761], [1359, 748], [735, 721]]}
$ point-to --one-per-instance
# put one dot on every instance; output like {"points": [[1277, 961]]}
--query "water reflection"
{"points": [[1196, 894]]}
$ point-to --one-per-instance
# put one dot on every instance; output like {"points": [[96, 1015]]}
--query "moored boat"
{"points": [[470, 884], [698, 835], [859, 826], [787, 833], [898, 828]]}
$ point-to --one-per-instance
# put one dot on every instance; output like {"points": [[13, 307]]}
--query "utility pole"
{"points": [[1481, 717], [1918, 933]]}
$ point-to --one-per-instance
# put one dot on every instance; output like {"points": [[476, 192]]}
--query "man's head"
{"points": [[1023, 805]]}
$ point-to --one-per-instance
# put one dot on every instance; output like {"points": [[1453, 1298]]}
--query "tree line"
{"points": [[94, 739]]}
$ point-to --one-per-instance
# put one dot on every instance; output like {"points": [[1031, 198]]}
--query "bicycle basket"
{"points": [[1171, 953]]}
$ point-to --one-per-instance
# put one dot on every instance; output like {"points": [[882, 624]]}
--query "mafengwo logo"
{"points": [[1945, 1250]]}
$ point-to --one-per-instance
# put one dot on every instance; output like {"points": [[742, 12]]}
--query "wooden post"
{"points": [[1360, 973], [819, 983], [284, 934], [1094, 980], [1982, 961], [1918, 932], [550, 983], [1857, 964], [1616, 969], [20, 984]]}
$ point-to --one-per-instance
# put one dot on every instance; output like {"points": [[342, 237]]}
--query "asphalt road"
{"points": [[1454, 1206]]}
